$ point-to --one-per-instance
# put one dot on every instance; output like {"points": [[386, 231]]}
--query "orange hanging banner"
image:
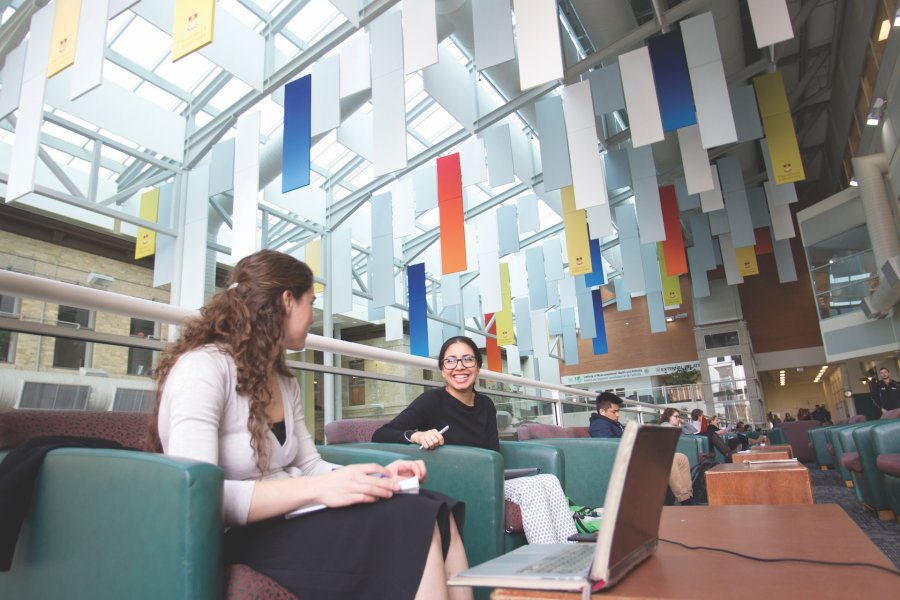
{"points": [[673, 246], [494, 358], [763, 241], [450, 210]]}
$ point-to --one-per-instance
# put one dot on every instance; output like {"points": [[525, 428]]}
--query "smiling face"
{"points": [[298, 316], [459, 378]]}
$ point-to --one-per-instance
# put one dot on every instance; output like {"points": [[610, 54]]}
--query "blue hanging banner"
{"points": [[597, 276], [295, 150], [673, 81], [600, 345], [418, 311]]}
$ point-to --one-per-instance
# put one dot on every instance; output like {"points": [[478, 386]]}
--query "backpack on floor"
{"points": [[587, 519], [698, 479]]}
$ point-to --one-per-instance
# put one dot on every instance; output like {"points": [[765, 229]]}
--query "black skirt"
{"points": [[368, 551]]}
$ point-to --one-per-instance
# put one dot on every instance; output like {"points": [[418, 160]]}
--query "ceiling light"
{"points": [[854, 182], [877, 112], [897, 19], [885, 29]]}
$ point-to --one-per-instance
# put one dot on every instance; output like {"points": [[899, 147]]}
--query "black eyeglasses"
{"points": [[468, 361]]}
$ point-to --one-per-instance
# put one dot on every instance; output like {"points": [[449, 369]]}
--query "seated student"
{"points": [[457, 414], [226, 396], [733, 443], [701, 424], [605, 424]]}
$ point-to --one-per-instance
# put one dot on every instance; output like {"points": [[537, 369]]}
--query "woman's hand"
{"points": [[356, 484], [408, 468], [428, 440]]}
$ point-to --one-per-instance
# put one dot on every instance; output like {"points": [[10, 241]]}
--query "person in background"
{"points": [[701, 424], [605, 422], [734, 442], [457, 414], [608, 426], [886, 391], [788, 418], [225, 396]]}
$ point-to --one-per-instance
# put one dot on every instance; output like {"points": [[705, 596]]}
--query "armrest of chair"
{"points": [[819, 441], [886, 438], [692, 446], [777, 436], [348, 454], [872, 486], [118, 524], [548, 460], [472, 475]]}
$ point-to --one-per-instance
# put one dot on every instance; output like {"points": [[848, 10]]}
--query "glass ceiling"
{"points": [[138, 60]]}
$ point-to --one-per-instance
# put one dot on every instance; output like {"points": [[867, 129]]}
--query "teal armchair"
{"points": [[886, 440], [475, 476], [864, 471]]}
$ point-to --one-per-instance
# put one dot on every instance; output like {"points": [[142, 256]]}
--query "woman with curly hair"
{"points": [[226, 396]]}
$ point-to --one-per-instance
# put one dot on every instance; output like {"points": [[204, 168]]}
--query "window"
{"points": [[8, 308], [55, 396], [721, 340], [140, 360], [133, 400], [71, 354]]}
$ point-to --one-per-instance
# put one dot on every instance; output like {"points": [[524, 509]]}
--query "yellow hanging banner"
{"points": [[65, 36], [314, 261], [145, 244], [671, 284], [784, 152], [504, 319], [193, 27], [746, 260], [575, 224]]}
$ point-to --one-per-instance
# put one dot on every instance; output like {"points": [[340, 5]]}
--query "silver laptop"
{"points": [[628, 533]]}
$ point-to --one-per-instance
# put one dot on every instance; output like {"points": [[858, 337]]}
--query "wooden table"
{"points": [[817, 531], [739, 457], [774, 447], [766, 483]]}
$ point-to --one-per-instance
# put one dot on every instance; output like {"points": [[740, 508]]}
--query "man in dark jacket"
{"points": [[886, 391], [605, 423]]}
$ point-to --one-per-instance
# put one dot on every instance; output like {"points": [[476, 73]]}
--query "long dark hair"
{"points": [[245, 320]]}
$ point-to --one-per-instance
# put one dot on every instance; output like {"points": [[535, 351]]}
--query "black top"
{"points": [[279, 431], [435, 409], [887, 395]]}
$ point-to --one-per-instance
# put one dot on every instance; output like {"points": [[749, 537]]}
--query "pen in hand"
{"points": [[442, 432]]}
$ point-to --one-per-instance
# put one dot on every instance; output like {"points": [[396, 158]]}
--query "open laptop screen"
{"points": [[634, 499]]}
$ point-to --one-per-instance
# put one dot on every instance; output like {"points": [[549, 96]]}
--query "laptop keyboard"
{"points": [[575, 559]]}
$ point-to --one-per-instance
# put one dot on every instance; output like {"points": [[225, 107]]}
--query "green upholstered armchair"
{"points": [[127, 524], [886, 440], [864, 470], [475, 476]]}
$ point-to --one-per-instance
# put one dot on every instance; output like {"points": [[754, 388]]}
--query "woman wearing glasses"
{"points": [[457, 414]]}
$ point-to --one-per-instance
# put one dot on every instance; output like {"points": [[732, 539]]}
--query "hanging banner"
{"points": [[673, 246], [671, 286], [295, 159], [314, 261], [505, 334], [597, 276], [65, 36], [575, 223], [784, 152], [193, 27], [599, 341], [494, 358], [145, 243], [746, 260], [450, 213], [418, 310]]}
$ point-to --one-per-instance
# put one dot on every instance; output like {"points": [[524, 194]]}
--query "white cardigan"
{"points": [[202, 417]]}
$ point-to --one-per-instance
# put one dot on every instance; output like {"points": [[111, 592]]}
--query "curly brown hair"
{"points": [[246, 321]]}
